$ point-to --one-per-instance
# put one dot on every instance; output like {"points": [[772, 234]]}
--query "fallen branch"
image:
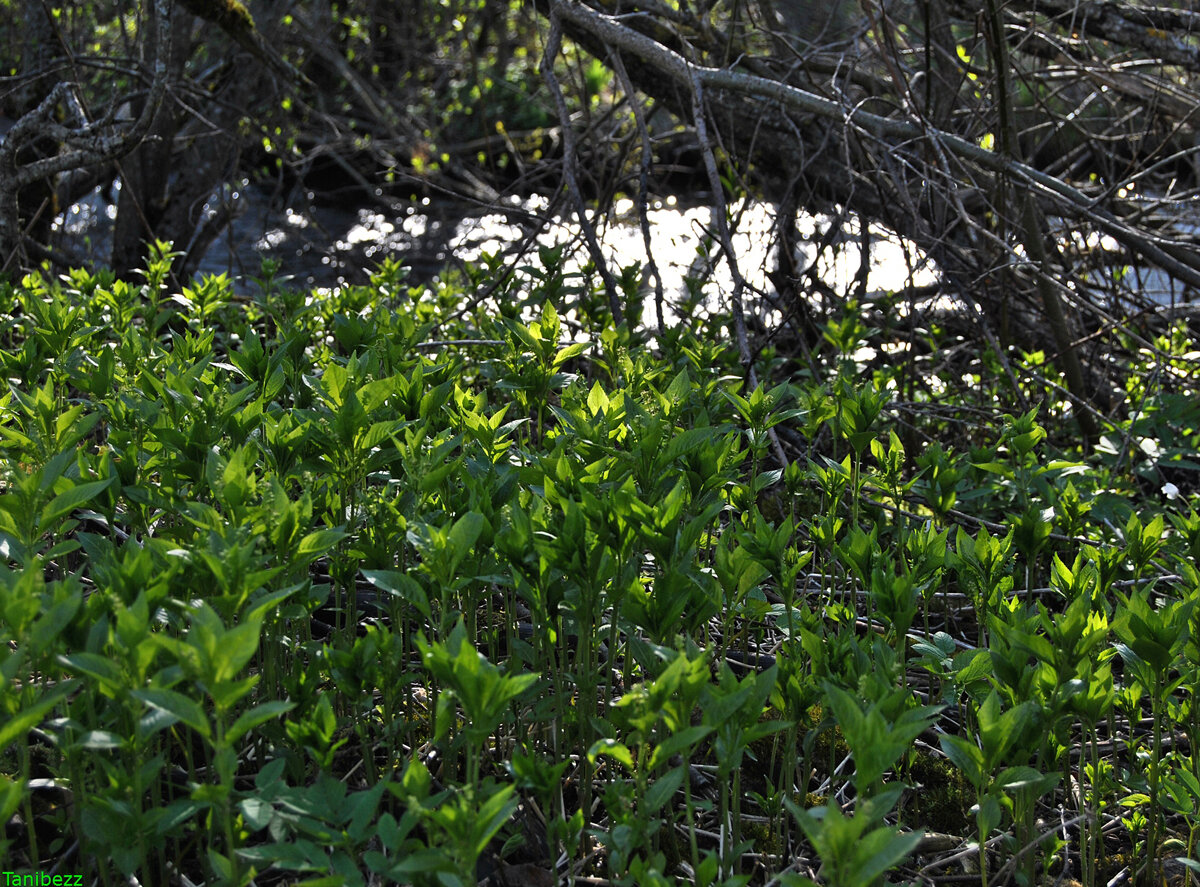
{"points": [[1180, 262]]}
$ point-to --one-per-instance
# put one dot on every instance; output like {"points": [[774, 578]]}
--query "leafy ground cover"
{"points": [[385, 587]]}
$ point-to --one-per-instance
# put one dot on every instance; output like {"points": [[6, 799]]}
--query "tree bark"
{"points": [[80, 142]]}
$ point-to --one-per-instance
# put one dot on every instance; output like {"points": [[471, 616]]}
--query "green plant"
{"points": [[876, 740], [212, 657], [287, 584], [482, 690], [982, 763], [857, 850], [733, 709], [1153, 639]]}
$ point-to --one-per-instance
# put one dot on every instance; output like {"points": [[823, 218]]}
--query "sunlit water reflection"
{"points": [[322, 247], [328, 246], [325, 247]]}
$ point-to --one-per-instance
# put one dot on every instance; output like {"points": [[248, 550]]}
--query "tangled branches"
{"points": [[1034, 165]]}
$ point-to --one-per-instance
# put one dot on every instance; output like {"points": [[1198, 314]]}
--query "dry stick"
{"points": [[91, 144], [643, 182], [980, 317], [522, 249], [972, 850], [88, 143], [608, 29], [437, 344], [739, 282], [1148, 29], [399, 128], [1010, 866], [719, 209], [1031, 222], [553, 44], [1093, 413], [1127, 441], [84, 113], [24, 234]]}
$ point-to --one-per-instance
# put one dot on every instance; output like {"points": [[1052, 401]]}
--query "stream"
{"points": [[321, 246]]}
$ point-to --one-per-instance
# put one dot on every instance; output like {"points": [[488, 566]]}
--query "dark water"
{"points": [[327, 245], [323, 245]]}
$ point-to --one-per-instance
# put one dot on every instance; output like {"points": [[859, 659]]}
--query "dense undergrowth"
{"points": [[378, 587]]}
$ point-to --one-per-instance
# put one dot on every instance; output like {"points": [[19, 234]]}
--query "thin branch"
{"points": [[93, 143], [1180, 262], [739, 283], [639, 120], [553, 45]]}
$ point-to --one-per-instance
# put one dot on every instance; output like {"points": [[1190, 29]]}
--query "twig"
{"points": [[613, 33], [739, 283], [643, 184], [553, 45]]}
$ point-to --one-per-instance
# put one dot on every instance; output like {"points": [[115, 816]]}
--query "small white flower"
{"points": [[1170, 491]]}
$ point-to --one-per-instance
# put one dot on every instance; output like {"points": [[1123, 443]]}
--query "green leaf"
{"points": [[881, 850], [492, 815], [523, 335], [31, 715], [68, 500], [51, 624], [319, 542], [100, 668], [179, 706], [613, 749], [403, 586], [597, 400], [674, 744], [994, 468], [261, 606], [235, 648], [432, 479], [257, 812], [663, 790], [987, 816], [466, 530], [10, 796], [966, 756], [358, 811], [260, 714], [567, 353]]}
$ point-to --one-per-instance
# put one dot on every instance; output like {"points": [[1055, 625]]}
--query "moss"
{"points": [[765, 839], [828, 743], [941, 798]]}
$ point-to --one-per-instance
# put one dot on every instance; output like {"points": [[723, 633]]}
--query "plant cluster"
{"points": [[383, 584]]}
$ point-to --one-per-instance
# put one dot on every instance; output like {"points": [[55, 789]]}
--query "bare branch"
{"points": [[1183, 263], [87, 143], [639, 119], [553, 45]]}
